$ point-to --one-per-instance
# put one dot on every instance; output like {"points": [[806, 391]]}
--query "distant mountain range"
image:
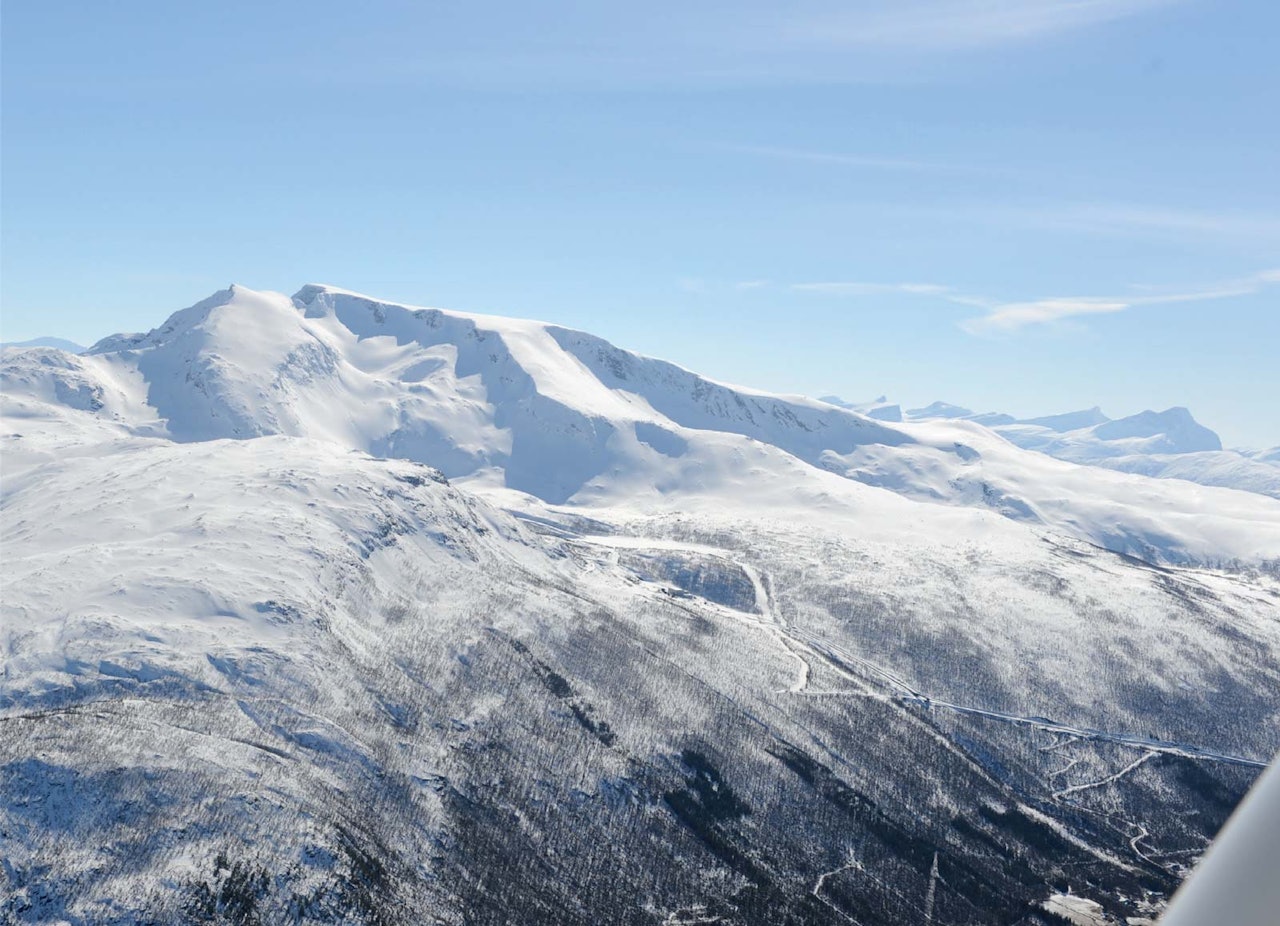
{"points": [[1170, 444], [70, 347]]}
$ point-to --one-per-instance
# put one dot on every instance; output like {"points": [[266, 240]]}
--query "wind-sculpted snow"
{"points": [[264, 662]]}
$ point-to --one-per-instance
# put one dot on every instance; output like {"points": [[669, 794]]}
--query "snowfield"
{"points": [[324, 609]]}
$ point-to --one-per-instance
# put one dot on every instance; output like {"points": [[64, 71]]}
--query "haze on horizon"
{"points": [[1022, 207]]}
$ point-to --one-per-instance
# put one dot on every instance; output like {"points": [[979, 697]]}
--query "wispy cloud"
{"points": [[1020, 314], [946, 25], [872, 289], [1128, 219], [861, 161], [1004, 317], [1012, 316], [857, 288], [712, 43], [1101, 220]]}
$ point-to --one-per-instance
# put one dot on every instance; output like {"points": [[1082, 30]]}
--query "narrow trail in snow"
{"points": [[852, 865], [1104, 781], [794, 638], [769, 619]]}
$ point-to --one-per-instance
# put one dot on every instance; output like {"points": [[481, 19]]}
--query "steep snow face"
{"points": [[238, 364], [523, 409], [802, 427]]}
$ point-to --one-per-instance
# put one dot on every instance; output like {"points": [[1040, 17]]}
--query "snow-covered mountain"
{"points": [[70, 347], [323, 609], [880, 409], [1170, 444], [562, 417]]}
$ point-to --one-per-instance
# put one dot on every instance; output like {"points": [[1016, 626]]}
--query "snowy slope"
{"points": [[725, 656], [567, 418], [272, 680]]}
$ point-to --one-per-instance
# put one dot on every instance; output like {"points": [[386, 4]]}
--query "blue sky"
{"points": [[1022, 205]]}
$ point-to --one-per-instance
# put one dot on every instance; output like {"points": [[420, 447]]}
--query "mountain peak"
{"points": [[940, 409], [1173, 430], [182, 320]]}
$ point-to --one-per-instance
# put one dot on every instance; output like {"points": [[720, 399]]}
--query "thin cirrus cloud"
{"points": [[1124, 220], [858, 161], [716, 42], [948, 25], [1016, 315], [873, 289], [1008, 317]]}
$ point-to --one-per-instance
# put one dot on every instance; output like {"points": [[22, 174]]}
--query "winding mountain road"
{"points": [[893, 687]]}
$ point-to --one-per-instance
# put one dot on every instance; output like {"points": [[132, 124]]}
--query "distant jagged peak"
{"points": [[879, 409], [1177, 430], [1069, 421], [940, 409], [885, 412]]}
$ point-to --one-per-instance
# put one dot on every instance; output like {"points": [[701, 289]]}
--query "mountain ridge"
{"points": [[567, 418], [1167, 444]]}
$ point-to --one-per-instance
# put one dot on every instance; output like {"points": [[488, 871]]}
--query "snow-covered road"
{"points": [[892, 686]]}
